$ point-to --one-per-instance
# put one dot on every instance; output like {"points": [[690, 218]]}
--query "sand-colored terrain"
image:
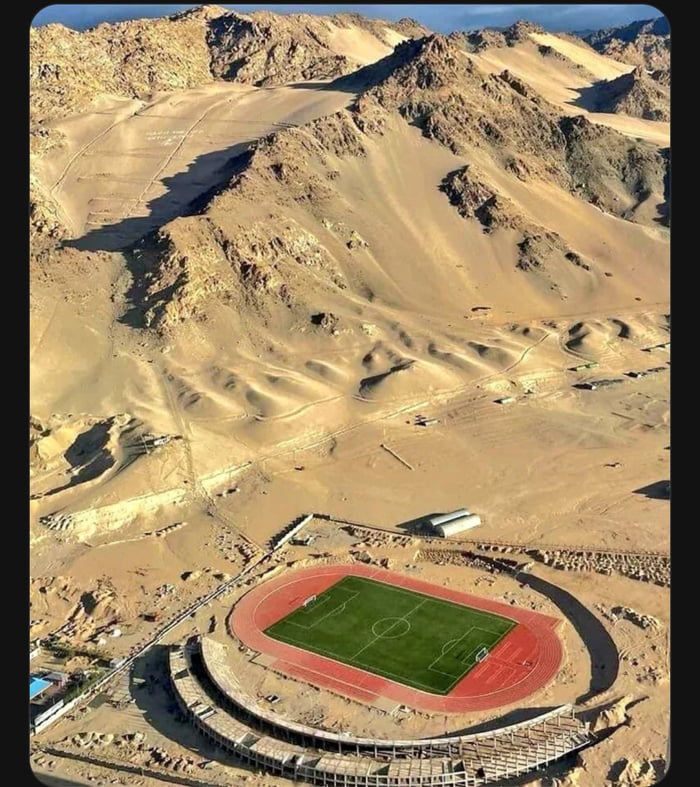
{"points": [[599, 66], [571, 81], [248, 293], [133, 166]]}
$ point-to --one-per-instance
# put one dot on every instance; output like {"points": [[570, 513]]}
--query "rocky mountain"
{"points": [[272, 263], [71, 72], [136, 59], [266, 49], [637, 94], [69, 69], [275, 236], [488, 38], [646, 43], [435, 87]]}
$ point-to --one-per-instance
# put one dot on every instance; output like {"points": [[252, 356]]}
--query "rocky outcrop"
{"points": [[436, 87], [646, 43], [259, 265], [612, 715], [69, 69], [597, 157], [638, 618], [474, 199], [267, 49], [662, 76], [46, 225], [134, 59], [517, 33], [636, 773], [636, 94], [180, 274], [536, 248]]}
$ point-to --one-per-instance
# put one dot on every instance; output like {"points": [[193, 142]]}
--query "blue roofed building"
{"points": [[37, 686]]}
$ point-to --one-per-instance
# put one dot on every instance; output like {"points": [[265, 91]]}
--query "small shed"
{"points": [[458, 525], [440, 519]]}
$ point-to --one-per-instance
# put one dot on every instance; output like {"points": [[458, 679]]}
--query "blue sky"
{"points": [[443, 18]]}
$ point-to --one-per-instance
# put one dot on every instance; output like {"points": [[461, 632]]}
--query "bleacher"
{"points": [[264, 739]]}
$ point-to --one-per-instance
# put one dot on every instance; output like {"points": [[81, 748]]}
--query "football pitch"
{"points": [[418, 640]]}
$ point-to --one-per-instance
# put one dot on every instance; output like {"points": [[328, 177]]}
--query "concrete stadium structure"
{"points": [[211, 697]]}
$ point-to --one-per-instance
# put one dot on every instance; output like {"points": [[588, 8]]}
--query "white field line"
{"points": [[404, 617], [339, 608], [474, 650], [402, 679], [444, 652]]}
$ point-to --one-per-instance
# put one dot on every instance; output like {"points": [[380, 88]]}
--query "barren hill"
{"points": [[646, 43], [573, 76], [267, 49], [490, 142], [137, 59], [433, 85], [636, 94]]}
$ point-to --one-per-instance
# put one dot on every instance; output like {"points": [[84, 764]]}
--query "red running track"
{"points": [[524, 661]]}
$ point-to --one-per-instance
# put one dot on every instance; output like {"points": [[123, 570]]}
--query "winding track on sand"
{"points": [[519, 666]]}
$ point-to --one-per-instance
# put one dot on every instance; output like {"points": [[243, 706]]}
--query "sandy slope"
{"points": [[133, 166], [565, 85], [602, 67], [409, 296], [360, 45]]}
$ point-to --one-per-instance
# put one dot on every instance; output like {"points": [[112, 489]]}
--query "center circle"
{"points": [[390, 628]]}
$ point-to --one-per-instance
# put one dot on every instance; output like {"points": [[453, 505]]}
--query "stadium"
{"points": [[375, 633], [390, 643]]}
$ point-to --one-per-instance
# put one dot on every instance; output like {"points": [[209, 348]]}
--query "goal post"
{"points": [[481, 655], [308, 601]]}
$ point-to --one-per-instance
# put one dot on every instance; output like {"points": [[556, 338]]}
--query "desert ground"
{"points": [[271, 410]]}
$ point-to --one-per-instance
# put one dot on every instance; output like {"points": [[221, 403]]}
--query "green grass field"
{"points": [[424, 642]]}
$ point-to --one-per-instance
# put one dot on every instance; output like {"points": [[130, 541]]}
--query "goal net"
{"points": [[481, 655], [308, 601]]}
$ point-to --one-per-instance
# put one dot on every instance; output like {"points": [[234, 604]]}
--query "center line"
{"points": [[381, 635]]}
